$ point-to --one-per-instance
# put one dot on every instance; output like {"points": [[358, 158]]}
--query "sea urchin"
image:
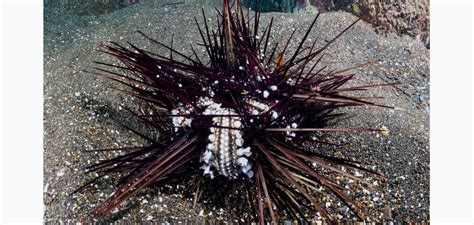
{"points": [[239, 118]]}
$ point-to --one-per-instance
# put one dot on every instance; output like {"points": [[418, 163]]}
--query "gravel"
{"points": [[81, 112]]}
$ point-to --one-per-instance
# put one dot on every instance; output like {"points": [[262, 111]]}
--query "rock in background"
{"points": [[411, 17], [405, 17]]}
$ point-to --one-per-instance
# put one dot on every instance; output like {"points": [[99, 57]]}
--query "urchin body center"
{"points": [[225, 152]]}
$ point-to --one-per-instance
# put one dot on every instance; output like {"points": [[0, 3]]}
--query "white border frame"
{"points": [[22, 110]]}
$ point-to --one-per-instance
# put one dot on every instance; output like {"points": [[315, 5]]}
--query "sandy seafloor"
{"points": [[81, 112]]}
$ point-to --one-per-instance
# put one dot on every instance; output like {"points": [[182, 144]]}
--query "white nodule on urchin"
{"points": [[210, 147], [266, 94], [273, 87], [239, 142], [249, 173], [242, 161], [188, 122], [237, 124], [212, 137], [244, 151], [206, 167], [180, 121], [246, 168], [257, 107], [207, 156], [274, 115]]}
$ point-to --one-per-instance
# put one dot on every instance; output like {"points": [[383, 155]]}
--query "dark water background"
{"points": [[97, 7], [409, 17]]}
